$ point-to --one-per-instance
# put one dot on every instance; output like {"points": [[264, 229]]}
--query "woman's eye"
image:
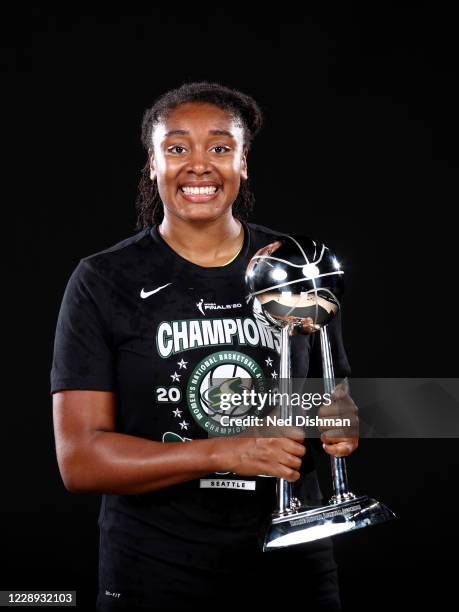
{"points": [[221, 147], [175, 147]]}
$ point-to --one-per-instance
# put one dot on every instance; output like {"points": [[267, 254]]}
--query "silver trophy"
{"points": [[287, 281]]}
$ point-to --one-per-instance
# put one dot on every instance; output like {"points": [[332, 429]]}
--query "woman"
{"points": [[144, 326]]}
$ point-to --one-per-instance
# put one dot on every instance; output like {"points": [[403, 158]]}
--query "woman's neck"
{"points": [[208, 244]]}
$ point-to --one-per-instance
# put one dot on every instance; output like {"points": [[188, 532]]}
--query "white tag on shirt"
{"points": [[226, 483]]}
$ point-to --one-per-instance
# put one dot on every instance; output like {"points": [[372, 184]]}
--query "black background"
{"points": [[359, 149]]}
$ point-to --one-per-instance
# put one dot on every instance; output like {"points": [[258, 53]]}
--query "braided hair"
{"points": [[240, 106]]}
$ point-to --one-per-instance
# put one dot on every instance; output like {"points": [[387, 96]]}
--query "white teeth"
{"points": [[199, 190]]}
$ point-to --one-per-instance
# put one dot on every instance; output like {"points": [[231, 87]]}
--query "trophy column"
{"points": [[286, 503], [338, 464]]}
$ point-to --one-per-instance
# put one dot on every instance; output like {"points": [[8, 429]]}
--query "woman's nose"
{"points": [[199, 161]]}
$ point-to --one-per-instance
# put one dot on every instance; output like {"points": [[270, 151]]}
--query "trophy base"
{"points": [[313, 523]]}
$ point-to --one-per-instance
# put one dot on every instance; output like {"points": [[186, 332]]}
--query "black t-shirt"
{"points": [[140, 320]]}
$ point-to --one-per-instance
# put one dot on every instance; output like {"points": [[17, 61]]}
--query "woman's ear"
{"points": [[244, 170], [152, 165]]}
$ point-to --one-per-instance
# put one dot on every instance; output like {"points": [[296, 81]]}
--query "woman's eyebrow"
{"points": [[212, 132]]}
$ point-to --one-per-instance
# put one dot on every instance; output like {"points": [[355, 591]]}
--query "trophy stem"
{"points": [[338, 464], [284, 488]]}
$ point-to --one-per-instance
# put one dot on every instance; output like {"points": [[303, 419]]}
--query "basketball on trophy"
{"points": [[294, 278]]}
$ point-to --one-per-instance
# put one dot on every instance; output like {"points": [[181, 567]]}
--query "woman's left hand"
{"points": [[343, 441]]}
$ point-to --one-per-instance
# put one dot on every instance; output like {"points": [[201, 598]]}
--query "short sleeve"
{"points": [[83, 356]]}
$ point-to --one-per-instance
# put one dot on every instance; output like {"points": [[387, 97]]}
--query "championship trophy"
{"points": [[287, 281]]}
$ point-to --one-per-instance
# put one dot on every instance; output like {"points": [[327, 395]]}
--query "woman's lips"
{"points": [[200, 197]]}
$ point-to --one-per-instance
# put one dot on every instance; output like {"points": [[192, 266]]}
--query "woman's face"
{"points": [[198, 145]]}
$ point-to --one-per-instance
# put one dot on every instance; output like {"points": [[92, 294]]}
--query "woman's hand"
{"points": [[340, 442], [253, 456]]}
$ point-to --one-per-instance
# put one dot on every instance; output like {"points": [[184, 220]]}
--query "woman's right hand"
{"points": [[280, 457]]}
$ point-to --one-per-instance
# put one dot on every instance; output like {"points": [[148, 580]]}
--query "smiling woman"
{"points": [[198, 159], [198, 164], [146, 328], [237, 115], [197, 143]]}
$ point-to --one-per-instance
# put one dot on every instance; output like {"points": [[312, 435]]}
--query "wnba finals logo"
{"points": [[216, 376], [202, 306]]}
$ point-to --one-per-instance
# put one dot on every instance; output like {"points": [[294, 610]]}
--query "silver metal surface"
{"points": [[338, 464], [286, 503], [310, 524], [289, 280]]}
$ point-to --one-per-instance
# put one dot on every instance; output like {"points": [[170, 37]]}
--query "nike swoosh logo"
{"points": [[145, 294]]}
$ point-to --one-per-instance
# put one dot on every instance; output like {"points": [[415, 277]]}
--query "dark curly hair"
{"points": [[240, 106]]}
